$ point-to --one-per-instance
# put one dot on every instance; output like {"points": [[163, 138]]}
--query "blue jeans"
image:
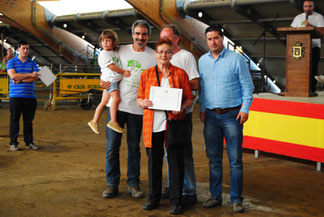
{"points": [[217, 127], [134, 130], [189, 183]]}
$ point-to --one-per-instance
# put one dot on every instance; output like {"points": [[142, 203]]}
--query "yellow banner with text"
{"points": [[76, 86]]}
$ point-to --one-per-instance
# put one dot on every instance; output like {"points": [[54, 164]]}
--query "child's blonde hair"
{"points": [[109, 34]]}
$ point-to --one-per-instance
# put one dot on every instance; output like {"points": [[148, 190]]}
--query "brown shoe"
{"points": [[238, 207], [135, 191], [149, 205], [32, 147], [110, 192], [211, 202], [115, 126], [94, 126]]}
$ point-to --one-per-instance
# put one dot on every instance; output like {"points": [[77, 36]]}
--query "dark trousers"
{"points": [[26, 107], [155, 163], [316, 55], [176, 173], [189, 182]]}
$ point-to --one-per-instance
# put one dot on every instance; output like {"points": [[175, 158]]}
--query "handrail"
{"points": [[239, 51]]}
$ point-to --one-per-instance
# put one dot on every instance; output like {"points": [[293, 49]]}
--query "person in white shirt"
{"points": [[136, 58], [109, 63], [306, 19], [186, 61]]}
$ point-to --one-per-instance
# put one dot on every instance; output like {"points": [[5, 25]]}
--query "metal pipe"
{"points": [[207, 4], [254, 39], [285, 19], [249, 2], [195, 5], [94, 15]]}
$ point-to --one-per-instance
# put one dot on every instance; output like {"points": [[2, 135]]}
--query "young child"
{"points": [[109, 63]]}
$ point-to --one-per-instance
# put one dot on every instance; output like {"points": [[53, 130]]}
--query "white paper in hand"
{"points": [[46, 76], [166, 98]]}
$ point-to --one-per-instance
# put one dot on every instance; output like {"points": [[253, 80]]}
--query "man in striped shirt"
{"points": [[22, 72]]}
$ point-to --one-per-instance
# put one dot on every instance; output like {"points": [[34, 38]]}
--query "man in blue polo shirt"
{"points": [[225, 98], [22, 72]]}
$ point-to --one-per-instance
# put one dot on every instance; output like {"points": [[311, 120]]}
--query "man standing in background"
{"points": [[306, 19], [22, 72], [186, 61]]}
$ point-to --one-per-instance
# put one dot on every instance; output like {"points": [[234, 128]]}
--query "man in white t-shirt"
{"points": [[185, 60], [311, 18], [136, 58]]}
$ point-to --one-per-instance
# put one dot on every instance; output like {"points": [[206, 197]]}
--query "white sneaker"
{"points": [[13, 148], [32, 147], [320, 78]]}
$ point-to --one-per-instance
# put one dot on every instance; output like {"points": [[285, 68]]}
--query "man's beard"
{"points": [[141, 43]]}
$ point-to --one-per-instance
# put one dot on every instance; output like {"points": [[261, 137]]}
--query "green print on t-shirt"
{"points": [[116, 61], [135, 67]]}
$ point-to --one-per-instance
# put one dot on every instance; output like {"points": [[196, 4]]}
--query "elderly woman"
{"points": [[154, 127]]}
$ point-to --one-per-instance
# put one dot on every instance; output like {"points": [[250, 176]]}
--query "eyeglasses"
{"points": [[167, 52]]}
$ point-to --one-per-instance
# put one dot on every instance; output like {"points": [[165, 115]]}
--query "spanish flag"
{"points": [[286, 128]]}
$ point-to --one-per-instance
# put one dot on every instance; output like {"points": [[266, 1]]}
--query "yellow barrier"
{"points": [[70, 86], [4, 85]]}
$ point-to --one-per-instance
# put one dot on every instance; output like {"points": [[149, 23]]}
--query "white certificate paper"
{"points": [[166, 98], [46, 76]]}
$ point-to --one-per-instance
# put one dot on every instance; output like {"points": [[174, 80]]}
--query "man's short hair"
{"points": [[214, 28], [309, 1], [142, 23], [174, 29], [22, 42]]}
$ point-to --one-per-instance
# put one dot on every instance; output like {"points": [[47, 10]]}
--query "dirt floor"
{"points": [[66, 177]]}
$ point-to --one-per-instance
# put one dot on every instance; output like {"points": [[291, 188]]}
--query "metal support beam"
{"points": [[86, 23], [116, 21], [250, 13], [283, 19]]}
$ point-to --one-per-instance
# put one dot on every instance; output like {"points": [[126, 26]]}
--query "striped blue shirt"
{"points": [[23, 89], [225, 82]]}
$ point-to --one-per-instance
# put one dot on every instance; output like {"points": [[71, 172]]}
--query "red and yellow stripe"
{"points": [[287, 128]]}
